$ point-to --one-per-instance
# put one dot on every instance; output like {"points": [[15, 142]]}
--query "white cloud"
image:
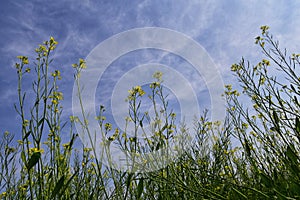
{"points": [[225, 28]]}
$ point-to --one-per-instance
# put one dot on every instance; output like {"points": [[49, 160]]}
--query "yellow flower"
{"points": [[253, 133], [35, 150], [158, 75], [86, 149], [266, 62], [74, 119], [257, 39], [26, 123], [264, 29], [3, 194], [42, 48], [61, 157], [56, 139], [244, 125], [10, 150], [260, 115], [235, 92], [154, 84], [82, 63], [20, 142], [173, 115], [108, 126], [52, 41], [233, 67], [24, 59], [66, 145], [262, 80], [112, 138], [228, 87], [54, 101], [56, 74], [137, 90], [117, 131], [58, 95]]}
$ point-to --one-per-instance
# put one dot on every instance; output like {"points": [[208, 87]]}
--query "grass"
{"points": [[265, 164]]}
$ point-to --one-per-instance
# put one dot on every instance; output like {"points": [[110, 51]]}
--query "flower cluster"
{"points": [[56, 97], [81, 64], [229, 91], [56, 74], [135, 92], [45, 48], [35, 150]]}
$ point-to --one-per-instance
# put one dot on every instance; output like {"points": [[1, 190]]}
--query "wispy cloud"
{"points": [[226, 29]]}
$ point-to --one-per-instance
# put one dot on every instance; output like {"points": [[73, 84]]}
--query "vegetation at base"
{"points": [[264, 165]]}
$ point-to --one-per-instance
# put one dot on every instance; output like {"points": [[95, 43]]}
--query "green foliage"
{"points": [[262, 163]]}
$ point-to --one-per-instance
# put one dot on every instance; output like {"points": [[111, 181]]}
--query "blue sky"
{"points": [[225, 29]]}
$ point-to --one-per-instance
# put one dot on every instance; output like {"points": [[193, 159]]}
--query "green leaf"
{"points": [[297, 125], [157, 146], [41, 121], [247, 147], [23, 157], [260, 192], [48, 122], [141, 123], [139, 105], [276, 118], [295, 187], [63, 187], [293, 88], [140, 188], [27, 134], [72, 140], [295, 169], [266, 180], [128, 180], [240, 193], [296, 100], [34, 159], [58, 186], [290, 153]]}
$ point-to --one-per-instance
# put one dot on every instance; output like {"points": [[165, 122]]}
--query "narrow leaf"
{"points": [[290, 153], [297, 125], [293, 88], [128, 180], [266, 180], [26, 135], [23, 157], [276, 118], [41, 121], [296, 100], [68, 182], [72, 140], [241, 194], [140, 188], [58, 186], [33, 160]]}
